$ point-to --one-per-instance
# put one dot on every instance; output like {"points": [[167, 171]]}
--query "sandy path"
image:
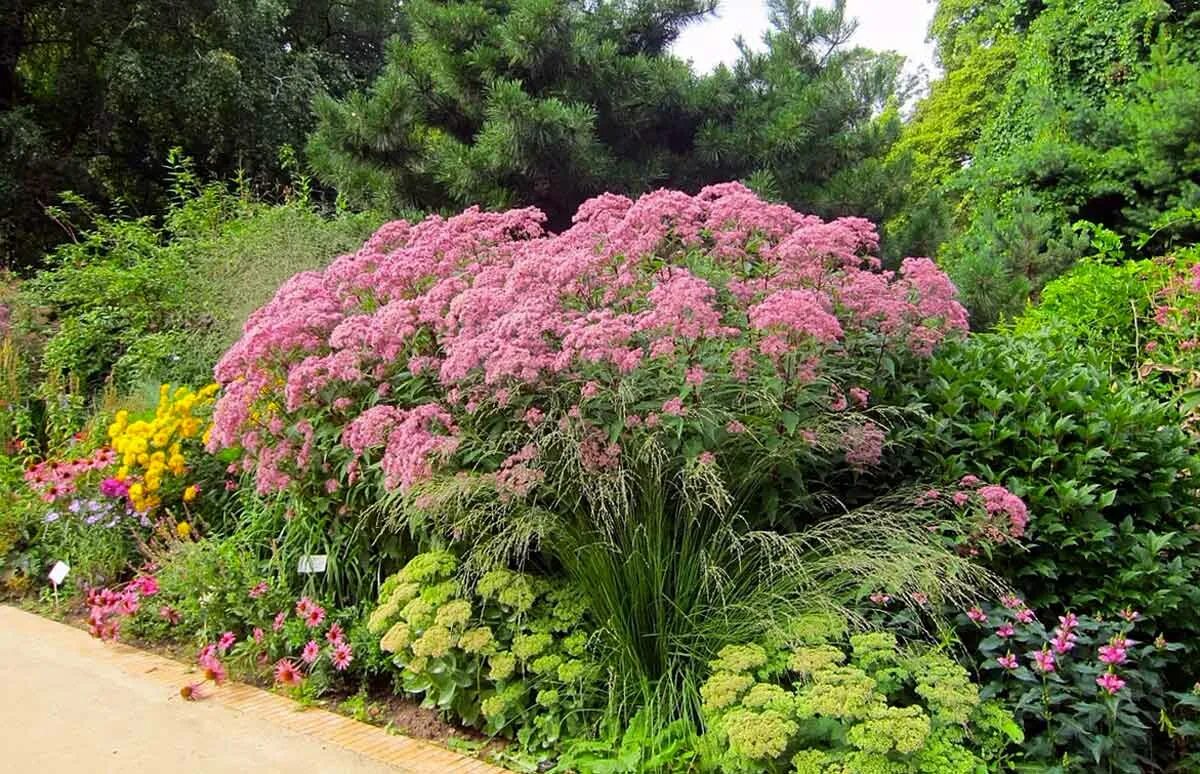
{"points": [[69, 703]]}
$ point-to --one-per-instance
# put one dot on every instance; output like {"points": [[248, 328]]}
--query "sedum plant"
{"points": [[507, 652], [816, 702]]}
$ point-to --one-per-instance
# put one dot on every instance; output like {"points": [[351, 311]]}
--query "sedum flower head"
{"points": [[429, 567], [575, 644], [874, 650], [528, 646], [434, 643], [814, 658], [476, 640], [544, 665], [759, 736], [397, 638], [403, 593], [502, 666], [440, 593], [548, 698], [840, 692], [493, 582], [768, 696], [724, 689], [811, 762], [946, 688], [817, 628], [381, 617], [418, 612], [454, 614], [739, 658], [518, 595], [902, 729]]}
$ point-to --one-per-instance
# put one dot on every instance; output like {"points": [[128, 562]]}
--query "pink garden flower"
{"points": [[314, 617], [335, 634], [1112, 654], [674, 407], [311, 652], [1005, 631], [880, 598], [1025, 616], [1008, 661], [1043, 661], [213, 669], [258, 635], [280, 617], [258, 590], [341, 656], [169, 614], [1110, 682], [286, 672], [1068, 622], [1012, 602], [977, 615]]}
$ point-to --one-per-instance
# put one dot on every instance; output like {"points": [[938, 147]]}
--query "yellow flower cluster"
{"points": [[152, 450]]}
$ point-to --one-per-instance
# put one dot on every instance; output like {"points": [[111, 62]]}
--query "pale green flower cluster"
{"points": [[843, 706]]}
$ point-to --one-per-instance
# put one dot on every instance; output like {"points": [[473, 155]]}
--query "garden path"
{"points": [[69, 703]]}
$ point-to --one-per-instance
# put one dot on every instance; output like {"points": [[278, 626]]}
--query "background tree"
{"points": [[94, 94]]}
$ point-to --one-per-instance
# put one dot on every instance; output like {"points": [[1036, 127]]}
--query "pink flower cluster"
{"points": [[482, 307], [54, 479], [107, 608]]}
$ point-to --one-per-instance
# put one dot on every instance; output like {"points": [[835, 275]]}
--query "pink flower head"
{"points": [[280, 617], [859, 396], [1026, 616], [1012, 602], [1068, 622], [258, 590], [1110, 682], [213, 669], [695, 376], [674, 407], [1005, 631], [226, 642], [977, 615], [1063, 642], [258, 635], [880, 598], [335, 634], [314, 616], [1043, 661], [303, 606], [1129, 614], [310, 653], [706, 458], [920, 598], [1112, 654], [145, 585], [341, 656], [286, 672], [169, 614], [1008, 661], [735, 427]]}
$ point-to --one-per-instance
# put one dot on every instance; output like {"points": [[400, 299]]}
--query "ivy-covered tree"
{"points": [[94, 94], [1053, 112]]}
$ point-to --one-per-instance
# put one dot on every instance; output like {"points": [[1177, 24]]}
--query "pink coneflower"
{"points": [[258, 590], [280, 617], [314, 616], [286, 672], [303, 605], [977, 615], [169, 614], [335, 634], [192, 692], [1005, 631], [1110, 682], [208, 651], [341, 656], [1043, 661], [213, 669], [258, 635], [226, 642], [311, 652], [1008, 661]]}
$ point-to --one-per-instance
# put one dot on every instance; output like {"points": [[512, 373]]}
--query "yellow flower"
{"points": [[191, 493], [183, 529], [177, 465]]}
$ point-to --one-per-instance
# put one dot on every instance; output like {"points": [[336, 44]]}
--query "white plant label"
{"points": [[58, 572], [312, 563]]}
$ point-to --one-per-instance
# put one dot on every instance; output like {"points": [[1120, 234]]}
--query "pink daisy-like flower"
{"points": [[213, 669], [279, 619], [226, 642], [335, 634], [1008, 661], [1110, 682], [311, 652], [192, 692], [258, 590], [169, 614], [286, 672], [314, 616], [1005, 631], [341, 656], [258, 635], [303, 605], [977, 615]]}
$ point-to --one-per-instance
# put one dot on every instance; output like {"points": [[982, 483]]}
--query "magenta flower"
{"points": [[258, 590], [1026, 616], [226, 642], [169, 614], [1110, 682], [1112, 654], [1005, 631], [280, 617], [1012, 602], [1130, 615], [310, 653], [1063, 641], [335, 634], [880, 598], [286, 672], [1008, 661], [706, 458], [314, 616], [341, 656], [1043, 661], [674, 407], [1068, 622], [258, 635], [977, 615]]}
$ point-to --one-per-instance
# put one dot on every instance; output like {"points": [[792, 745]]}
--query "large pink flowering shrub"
{"points": [[734, 332]]}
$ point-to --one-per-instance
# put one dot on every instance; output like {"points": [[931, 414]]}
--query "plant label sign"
{"points": [[58, 572], [311, 564]]}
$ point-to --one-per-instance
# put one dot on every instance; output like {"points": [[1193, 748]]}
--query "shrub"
{"points": [[814, 703], [507, 653], [1105, 469]]}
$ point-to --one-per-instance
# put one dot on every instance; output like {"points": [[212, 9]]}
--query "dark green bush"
{"points": [[1106, 470]]}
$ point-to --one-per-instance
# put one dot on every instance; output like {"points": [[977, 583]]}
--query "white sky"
{"points": [[885, 25]]}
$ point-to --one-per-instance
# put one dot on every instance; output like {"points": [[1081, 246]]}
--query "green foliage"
{"points": [[1104, 467], [507, 652], [93, 94], [863, 706]]}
